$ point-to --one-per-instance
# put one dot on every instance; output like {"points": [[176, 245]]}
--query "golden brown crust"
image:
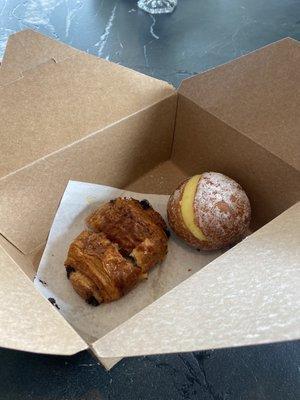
{"points": [[128, 224], [85, 287], [221, 208], [128, 239], [95, 257]]}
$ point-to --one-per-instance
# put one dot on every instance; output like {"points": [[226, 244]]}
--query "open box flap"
{"points": [[250, 295], [83, 92], [28, 321], [59, 105], [257, 94], [28, 49]]}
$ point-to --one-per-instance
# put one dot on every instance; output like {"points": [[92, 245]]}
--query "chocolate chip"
{"points": [[53, 302], [112, 201], [69, 271], [43, 282], [123, 252], [145, 204], [92, 301], [127, 256], [167, 232]]}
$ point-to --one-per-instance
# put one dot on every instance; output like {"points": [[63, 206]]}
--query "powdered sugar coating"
{"points": [[222, 209]]}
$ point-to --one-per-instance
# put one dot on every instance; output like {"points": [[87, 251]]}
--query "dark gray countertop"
{"points": [[261, 372], [198, 35]]}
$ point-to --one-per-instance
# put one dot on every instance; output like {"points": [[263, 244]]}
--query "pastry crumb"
{"points": [[53, 302]]}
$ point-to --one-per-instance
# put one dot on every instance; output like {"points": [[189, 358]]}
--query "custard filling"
{"points": [[187, 207]]}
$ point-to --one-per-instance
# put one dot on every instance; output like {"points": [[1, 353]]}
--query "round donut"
{"points": [[209, 211]]}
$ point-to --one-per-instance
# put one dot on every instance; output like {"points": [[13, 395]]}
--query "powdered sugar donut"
{"points": [[209, 211]]}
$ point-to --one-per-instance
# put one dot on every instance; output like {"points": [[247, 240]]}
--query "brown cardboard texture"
{"points": [[60, 112], [27, 50], [68, 115], [226, 303], [28, 321]]}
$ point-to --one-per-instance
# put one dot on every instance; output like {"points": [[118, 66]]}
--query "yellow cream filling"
{"points": [[187, 207]]}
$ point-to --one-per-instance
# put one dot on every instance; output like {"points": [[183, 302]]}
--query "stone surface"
{"points": [[269, 372], [197, 36]]}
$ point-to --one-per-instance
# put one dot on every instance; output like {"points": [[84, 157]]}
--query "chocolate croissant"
{"points": [[128, 238]]}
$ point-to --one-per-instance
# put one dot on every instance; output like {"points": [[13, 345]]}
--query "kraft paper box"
{"points": [[66, 115]]}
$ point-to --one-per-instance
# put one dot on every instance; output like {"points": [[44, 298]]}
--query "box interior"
{"points": [[165, 176], [162, 179], [144, 146]]}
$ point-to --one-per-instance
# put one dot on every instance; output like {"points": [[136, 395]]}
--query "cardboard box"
{"points": [[69, 115]]}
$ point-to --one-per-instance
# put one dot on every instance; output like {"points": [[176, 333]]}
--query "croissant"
{"points": [[126, 239]]}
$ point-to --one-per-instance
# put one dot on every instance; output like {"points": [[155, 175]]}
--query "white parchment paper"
{"points": [[78, 201]]}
